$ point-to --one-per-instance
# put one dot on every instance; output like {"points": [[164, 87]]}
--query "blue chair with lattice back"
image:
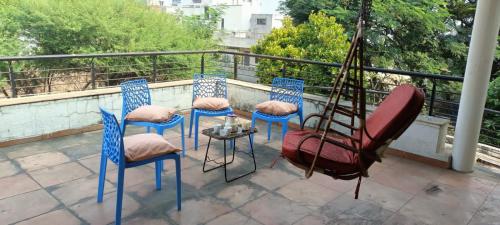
{"points": [[283, 90], [132, 151], [207, 86], [136, 94]]}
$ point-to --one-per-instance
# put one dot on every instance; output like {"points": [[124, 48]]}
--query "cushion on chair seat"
{"points": [[151, 113], [146, 146], [332, 157], [211, 103], [276, 108]]}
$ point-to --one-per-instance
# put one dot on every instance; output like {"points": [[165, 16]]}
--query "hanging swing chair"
{"points": [[343, 144]]}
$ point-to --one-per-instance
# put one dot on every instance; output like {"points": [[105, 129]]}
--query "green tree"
{"points": [[46, 27], [321, 39]]}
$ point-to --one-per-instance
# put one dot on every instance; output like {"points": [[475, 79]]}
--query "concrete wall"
{"points": [[41, 115]]}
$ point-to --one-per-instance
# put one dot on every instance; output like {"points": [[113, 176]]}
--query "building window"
{"points": [[196, 1], [222, 24], [261, 21], [161, 3]]}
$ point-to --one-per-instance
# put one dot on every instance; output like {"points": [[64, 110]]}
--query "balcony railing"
{"points": [[63, 73]]}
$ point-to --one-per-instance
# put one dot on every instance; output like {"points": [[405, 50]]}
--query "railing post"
{"points": [[202, 64], [12, 79], [155, 69], [235, 66], [283, 71], [93, 74], [433, 96]]}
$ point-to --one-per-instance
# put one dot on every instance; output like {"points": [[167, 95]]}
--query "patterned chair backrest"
{"points": [[209, 85], [287, 90], [112, 141], [135, 94]]}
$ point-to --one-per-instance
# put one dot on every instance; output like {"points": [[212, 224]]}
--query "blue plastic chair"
{"points": [[112, 148], [284, 90], [207, 85], [136, 94]]}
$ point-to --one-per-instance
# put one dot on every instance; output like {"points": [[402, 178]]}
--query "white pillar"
{"points": [[475, 87]]}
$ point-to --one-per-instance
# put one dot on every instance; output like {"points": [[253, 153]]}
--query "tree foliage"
{"points": [[321, 39], [46, 27]]}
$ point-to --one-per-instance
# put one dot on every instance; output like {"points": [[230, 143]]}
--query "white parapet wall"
{"points": [[425, 137], [28, 117]]}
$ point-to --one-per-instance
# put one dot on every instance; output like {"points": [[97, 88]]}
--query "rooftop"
{"points": [[55, 181]]}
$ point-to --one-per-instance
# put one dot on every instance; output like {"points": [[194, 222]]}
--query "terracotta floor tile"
{"points": [[144, 221], [401, 180], [233, 218], [195, 177], [34, 162], [133, 176], [335, 184], [93, 163], [240, 194], [369, 211], [432, 211], [21, 207], [104, 213], [59, 174], [18, 184], [59, 217], [75, 191], [398, 219], [23, 150], [198, 211], [267, 178], [387, 197], [308, 194], [468, 181], [313, 220], [7, 168], [271, 209], [454, 196]]}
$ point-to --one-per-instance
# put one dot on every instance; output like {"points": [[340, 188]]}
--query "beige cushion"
{"points": [[211, 103], [146, 146], [151, 113], [276, 108]]}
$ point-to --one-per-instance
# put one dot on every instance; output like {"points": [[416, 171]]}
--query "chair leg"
{"points": [[160, 132], [269, 127], [148, 129], [196, 124], [301, 118], [178, 181], [158, 169], [356, 193], [191, 122], [102, 177], [182, 139], [252, 127], [119, 195], [284, 129]]}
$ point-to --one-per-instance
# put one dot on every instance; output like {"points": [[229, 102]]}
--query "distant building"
{"points": [[242, 23]]}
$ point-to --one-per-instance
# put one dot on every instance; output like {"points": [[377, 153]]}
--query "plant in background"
{"points": [[321, 39]]}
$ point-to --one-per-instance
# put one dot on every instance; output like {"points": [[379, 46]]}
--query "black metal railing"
{"points": [[43, 74]]}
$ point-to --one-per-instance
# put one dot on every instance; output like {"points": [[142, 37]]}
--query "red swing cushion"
{"points": [[398, 110]]}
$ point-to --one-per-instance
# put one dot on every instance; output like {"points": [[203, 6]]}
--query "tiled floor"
{"points": [[55, 182]]}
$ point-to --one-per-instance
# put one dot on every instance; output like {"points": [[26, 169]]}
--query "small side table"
{"points": [[231, 137]]}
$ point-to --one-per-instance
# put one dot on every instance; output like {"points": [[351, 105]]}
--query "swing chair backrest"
{"points": [[392, 117]]}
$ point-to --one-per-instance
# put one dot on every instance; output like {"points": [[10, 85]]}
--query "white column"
{"points": [[475, 87]]}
